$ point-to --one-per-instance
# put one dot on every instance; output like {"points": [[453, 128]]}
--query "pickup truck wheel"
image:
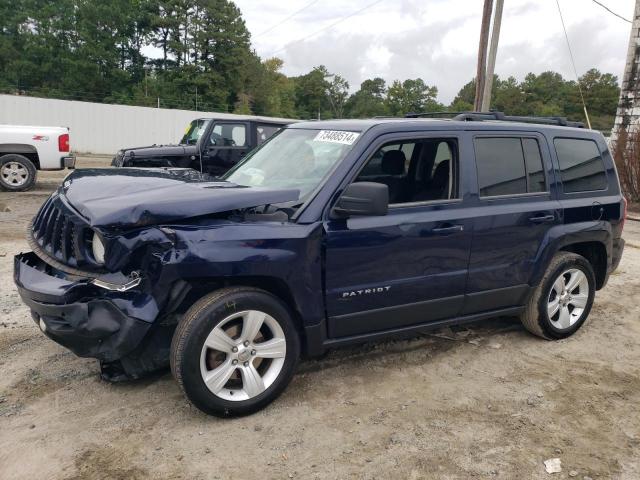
{"points": [[563, 300], [17, 173], [234, 351]]}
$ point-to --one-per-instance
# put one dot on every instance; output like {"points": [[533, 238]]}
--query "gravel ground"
{"points": [[487, 401]]}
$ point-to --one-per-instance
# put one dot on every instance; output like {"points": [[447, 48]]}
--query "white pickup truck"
{"points": [[26, 149]]}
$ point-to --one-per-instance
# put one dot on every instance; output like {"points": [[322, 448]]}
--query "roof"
{"points": [[429, 124]]}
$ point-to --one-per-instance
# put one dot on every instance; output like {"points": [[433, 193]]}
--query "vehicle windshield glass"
{"points": [[193, 132], [294, 158]]}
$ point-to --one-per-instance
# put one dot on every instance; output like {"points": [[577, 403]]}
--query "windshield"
{"points": [[294, 158], [193, 132]]}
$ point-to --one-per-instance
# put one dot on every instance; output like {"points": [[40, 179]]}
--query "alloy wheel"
{"points": [[243, 355], [568, 298]]}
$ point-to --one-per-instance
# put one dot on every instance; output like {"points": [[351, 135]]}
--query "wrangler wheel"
{"points": [[235, 351]]}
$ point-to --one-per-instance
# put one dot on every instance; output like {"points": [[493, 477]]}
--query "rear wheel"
{"points": [[235, 351], [17, 173], [563, 300]]}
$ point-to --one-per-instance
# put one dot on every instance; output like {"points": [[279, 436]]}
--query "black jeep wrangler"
{"points": [[209, 145], [331, 233]]}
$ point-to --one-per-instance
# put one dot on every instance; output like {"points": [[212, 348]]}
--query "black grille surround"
{"points": [[62, 235]]}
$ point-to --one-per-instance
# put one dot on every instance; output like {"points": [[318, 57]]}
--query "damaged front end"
{"points": [[118, 325], [116, 303]]}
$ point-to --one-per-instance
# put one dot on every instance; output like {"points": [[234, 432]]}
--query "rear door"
{"points": [[227, 142], [410, 266], [515, 210]]}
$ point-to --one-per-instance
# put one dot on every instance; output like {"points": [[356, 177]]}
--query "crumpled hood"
{"points": [[129, 197]]}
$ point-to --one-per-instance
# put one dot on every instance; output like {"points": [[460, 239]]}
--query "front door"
{"points": [[409, 266], [226, 144]]}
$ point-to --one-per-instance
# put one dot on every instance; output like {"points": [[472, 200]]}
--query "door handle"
{"points": [[542, 219], [448, 229]]}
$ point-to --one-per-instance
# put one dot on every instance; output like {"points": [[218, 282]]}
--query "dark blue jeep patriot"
{"points": [[331, 233]]}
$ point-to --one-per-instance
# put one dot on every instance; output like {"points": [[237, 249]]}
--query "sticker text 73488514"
{"points": [[336, 136]]}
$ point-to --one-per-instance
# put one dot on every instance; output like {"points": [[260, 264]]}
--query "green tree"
{"points": [[508, 97], [411, 96], [243, 105], [464, 100], [369, 101], [273, 92], [94, 51], [337, 94], [601, 94], [311, 93]]}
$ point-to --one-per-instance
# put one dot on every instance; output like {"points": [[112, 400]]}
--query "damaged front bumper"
{"points": [[108, 322]]}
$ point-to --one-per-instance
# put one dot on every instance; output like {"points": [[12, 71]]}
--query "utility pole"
{"points": [[493, 51], [628, 115], [482, 53]]}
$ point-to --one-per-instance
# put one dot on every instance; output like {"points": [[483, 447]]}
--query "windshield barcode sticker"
{"points": [[336, 136]]}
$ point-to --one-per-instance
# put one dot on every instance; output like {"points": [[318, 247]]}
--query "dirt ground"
{"points": [[487, 401]]}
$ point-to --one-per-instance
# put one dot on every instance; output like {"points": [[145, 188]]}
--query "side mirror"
{"points": [[362, 198]]}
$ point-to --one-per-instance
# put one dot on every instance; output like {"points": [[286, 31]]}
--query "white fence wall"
{"points": [[102, 128]]}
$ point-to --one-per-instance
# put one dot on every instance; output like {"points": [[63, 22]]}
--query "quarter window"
{"points": [[533, 161], [581, 166], [509, 166]]}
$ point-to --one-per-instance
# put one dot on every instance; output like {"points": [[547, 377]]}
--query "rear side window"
{"points": [[265, 131], [581, 166], [509, 166]]}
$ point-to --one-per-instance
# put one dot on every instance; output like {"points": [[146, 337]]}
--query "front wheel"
{"points": [[235, 351], [563, 300]]}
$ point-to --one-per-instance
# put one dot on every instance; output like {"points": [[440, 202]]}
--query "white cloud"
{"points": [[437, 40]]}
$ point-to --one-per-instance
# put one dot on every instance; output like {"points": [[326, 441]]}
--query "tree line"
{"points": [[202, 59]]}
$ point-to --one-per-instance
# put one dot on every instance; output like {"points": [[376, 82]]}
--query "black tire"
{"points": [[536, 317], [200, 320], [27, 166]]}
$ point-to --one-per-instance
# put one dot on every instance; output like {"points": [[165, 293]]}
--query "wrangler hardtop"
{"points": [[331, 233], [209, 145]]}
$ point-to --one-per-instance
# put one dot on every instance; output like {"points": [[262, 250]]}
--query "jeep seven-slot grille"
{"points": [[60, 233]]}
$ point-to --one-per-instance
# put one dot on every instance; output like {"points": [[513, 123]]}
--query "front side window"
{"points": [[294, 158], [194, 131], [581, 166], [229, 135], [509, 166], [420, 170]]}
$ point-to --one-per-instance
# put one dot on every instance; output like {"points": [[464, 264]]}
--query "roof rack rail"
{"points": [[480, 116], [500, 116], [432, 114]]}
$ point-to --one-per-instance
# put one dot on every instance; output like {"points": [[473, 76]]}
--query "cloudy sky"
{"points": [[436, 40]]}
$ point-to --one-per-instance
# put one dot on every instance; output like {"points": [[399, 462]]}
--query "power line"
{"points": [[273, 27], [575, 70], [611, 11], [340, 20]]}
